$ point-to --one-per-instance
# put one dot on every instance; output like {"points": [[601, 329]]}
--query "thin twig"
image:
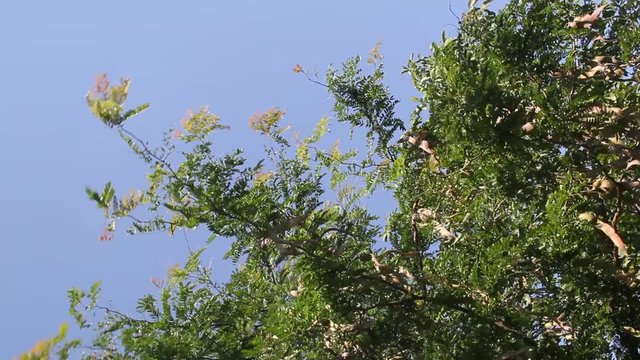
{"points": [[186, 240], [157, 220], [312, 80], [128, 318], [148, 151], [454, 14], [616, 215]]}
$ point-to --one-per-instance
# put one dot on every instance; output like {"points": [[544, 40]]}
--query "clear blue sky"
{"points": [[236, 57]]}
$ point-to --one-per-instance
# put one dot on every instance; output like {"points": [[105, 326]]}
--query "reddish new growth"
{"points": [[267, 120], [101, 85], [185, 120], [157, 282], [297, 69], [106, 235]]}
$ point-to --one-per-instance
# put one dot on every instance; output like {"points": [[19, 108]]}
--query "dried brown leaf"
{"points": [[632, 163], [426, 215], [444, 232], [604, 59], [630, 185], [613, 235], [602, 39], [528, 127], [593, 71], [585, 21]]}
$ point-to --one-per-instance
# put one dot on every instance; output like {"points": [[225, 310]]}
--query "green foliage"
{"points": [[76, 298], [43, 349], [364, 101], [512, 233], [102, 200], [302, 152], [107, 102]]}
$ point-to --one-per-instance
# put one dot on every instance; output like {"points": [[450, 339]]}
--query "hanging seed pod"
{"points": [[608, 230]]}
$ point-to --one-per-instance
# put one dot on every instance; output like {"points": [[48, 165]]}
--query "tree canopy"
{"points": [[515, 223]]}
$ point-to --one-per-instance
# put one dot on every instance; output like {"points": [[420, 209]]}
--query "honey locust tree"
{"points": [[514, 233]]}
